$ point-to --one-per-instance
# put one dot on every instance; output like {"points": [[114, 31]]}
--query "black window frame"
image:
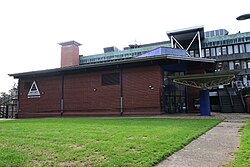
{"points": [[110, 79]]}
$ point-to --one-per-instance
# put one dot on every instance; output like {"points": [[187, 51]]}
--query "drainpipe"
{"points": [[121, 91], [62, 97]]}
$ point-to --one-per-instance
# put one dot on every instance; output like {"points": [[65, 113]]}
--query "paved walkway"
{"points": [[213, 149]]}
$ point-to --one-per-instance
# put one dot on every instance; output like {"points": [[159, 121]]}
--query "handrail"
{"points": [[220, 99], [232, 104], [5, 102], [241, 98]]}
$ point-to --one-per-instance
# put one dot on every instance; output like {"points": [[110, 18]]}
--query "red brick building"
{"points": [[133, 86]]}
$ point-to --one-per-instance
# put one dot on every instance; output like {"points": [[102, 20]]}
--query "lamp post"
{"points": [[243, 17]]}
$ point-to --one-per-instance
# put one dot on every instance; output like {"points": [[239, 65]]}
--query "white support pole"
{"points": [[172, 42], [178, 42], [199, 41], [192, 41]]}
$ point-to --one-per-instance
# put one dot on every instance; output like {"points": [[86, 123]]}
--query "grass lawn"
{"points": [[243, 155], [96, 141]]}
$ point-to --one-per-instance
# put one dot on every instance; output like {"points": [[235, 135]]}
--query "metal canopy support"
{"points": [[208, 84], [205, 81], [174, 41]]}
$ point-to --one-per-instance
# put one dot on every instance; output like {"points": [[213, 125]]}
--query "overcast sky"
{"points": [[31, 29]]}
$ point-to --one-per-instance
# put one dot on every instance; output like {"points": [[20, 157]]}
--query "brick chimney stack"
{"points": [[69, 53]]}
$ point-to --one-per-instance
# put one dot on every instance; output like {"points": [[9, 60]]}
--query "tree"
{"points": [[4, 97]]}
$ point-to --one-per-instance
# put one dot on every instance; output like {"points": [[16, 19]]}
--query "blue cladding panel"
{"points": [[165, 51]]}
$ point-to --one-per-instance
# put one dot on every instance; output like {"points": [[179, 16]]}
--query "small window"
{"points": [[207, 52], [243, 64], [213, 52], [191, 53], [237, 64], [197, 53], [248, 47], [224, 50], [230, 49], [231, 65], [248, 63], [27, 85], [236, 49], [242, 48], [218, 51], [111, 79]]}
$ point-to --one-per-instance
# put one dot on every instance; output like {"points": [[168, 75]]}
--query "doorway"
{"points": [[174, 94]]}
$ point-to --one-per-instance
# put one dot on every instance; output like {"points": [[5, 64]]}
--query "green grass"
{"points": [[242, 158], [95, 141]]}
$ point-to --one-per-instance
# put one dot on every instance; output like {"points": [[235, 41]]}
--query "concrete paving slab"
{"points": [[213, 149]]}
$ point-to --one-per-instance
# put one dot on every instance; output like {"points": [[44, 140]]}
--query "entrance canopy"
{"points": [[205, 81]]}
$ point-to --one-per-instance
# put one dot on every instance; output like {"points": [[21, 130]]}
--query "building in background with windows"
{"points": [[231, 52]]}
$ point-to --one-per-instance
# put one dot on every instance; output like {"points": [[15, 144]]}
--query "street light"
{"points": [[243, 17]]}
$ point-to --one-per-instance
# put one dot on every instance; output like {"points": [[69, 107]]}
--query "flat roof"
{"points": [[186, 33], [57, 71]]}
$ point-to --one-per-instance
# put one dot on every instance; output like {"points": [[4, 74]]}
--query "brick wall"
{"points": [[142, 88], [49, 101], [84, 94]]}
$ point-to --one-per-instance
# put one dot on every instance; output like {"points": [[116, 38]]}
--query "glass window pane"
{"points": [[242, 48], [218, 51], [212, 51], [248, 63], [197, 53], [230, 49], [219, 66], [236, 49], [224, 50], [231, 65], [207, 52], [191, 53], [237, 64], [243, 64], [248, 47]]}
